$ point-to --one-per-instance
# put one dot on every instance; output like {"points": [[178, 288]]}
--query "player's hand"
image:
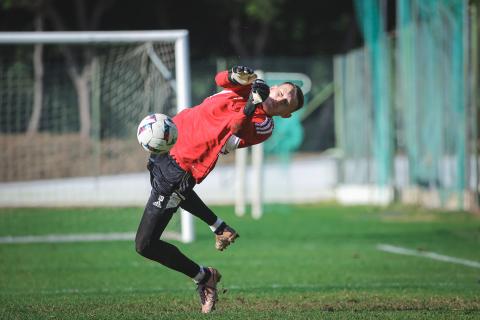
{"points": [[241, 75], [260, 92]]}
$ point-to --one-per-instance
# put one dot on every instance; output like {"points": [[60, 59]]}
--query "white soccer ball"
{"points": [[157, 133]]}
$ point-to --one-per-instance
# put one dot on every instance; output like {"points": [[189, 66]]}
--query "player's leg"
{"points": [[147, 241], [224, 234], [169, 182], [165, 178], [198, 208]]}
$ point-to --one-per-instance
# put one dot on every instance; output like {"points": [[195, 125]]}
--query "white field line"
{"points": [[426, 254], [87, 237]]}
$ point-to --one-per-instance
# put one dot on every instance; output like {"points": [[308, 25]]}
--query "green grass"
{"points": [[297, 262]]}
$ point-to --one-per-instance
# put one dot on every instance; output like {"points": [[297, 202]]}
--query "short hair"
{"points": [[298, 94]]}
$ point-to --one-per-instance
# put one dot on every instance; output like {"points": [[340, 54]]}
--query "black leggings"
{"points": [[171, 187]]}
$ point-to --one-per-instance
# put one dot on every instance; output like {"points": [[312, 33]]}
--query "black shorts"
{"points": [[169, 180]]}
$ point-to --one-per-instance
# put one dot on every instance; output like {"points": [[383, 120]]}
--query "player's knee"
{"points": [[141, 246]]}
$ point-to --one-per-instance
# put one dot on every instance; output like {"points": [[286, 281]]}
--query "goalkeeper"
{"points": [[239, 116]]}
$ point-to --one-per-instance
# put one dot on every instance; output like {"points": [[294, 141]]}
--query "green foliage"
{"points": [[21, 74], [263, 10], [6, 4], [30, 4]]}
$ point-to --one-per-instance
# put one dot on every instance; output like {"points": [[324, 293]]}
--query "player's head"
{"points": [[283, 100]]}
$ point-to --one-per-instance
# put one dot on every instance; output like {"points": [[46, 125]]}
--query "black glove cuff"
{"points": [[249, 108], [232, 81]]}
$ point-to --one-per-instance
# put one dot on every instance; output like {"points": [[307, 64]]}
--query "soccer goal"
{"points": [[69, 106]]}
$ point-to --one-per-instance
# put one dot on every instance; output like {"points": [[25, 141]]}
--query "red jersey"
{"points": [[204, 129]]}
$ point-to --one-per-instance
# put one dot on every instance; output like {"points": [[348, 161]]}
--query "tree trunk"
{"points": [[80, 70], [261, 39], [82, 86], [236, 38], [34, 123]]}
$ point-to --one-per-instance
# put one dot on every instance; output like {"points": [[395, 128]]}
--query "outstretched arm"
{"points": [[235, 78], [242, 76]]}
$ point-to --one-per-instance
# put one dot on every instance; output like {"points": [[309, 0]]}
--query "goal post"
{"points": [[133, 71]]}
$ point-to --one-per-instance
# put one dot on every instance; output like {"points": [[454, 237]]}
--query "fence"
{"points": [[406, 110]]}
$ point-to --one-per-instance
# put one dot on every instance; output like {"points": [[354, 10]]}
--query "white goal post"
{"points": [[241, 181], [180, 83]]}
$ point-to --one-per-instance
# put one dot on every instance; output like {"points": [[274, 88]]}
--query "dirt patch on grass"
{"points": [[372, 303], [412, 216]]}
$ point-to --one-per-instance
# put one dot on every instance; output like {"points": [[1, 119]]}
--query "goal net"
{"points": [[69, 106]]}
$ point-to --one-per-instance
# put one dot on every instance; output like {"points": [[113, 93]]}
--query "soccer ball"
{"points": [[157, 133]]}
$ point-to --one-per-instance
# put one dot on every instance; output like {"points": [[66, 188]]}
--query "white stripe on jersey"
{"points": [[265, 124], [265, 131], [264, 127], [221, 92]]}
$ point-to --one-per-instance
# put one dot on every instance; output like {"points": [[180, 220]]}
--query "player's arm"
{"points": [[236, 77], [258, 94], [263, 130], [235, 142], [256, 139], [231, 144]]}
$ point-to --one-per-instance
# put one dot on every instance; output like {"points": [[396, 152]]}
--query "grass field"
{"points": [[298, 262]]}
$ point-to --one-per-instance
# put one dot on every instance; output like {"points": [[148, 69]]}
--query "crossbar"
{"points": [[79, 37]]}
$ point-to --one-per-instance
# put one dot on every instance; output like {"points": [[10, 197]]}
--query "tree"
{"points": [[79, 64], [37, 8], [34, 122], [260, 14]]}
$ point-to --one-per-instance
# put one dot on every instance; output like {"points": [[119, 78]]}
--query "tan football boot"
{"points": [[226, 238], [208, 291]]}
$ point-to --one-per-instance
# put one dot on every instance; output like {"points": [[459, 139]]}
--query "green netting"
{"points": [[353, 112], [119, 85], [431, 87], [372, 25], [402, 102]]}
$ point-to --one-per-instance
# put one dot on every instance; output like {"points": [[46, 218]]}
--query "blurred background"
{"points": [[390, 113], [367, 192]]}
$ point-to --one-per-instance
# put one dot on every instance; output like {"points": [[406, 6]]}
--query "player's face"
{"points": [[281, 101]]}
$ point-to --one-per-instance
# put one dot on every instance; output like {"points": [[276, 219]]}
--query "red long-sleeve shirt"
{"points": [[204, 129]]}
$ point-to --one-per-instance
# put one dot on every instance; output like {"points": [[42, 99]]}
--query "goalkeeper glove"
{"points": [[240, 75], [260, 92]]}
